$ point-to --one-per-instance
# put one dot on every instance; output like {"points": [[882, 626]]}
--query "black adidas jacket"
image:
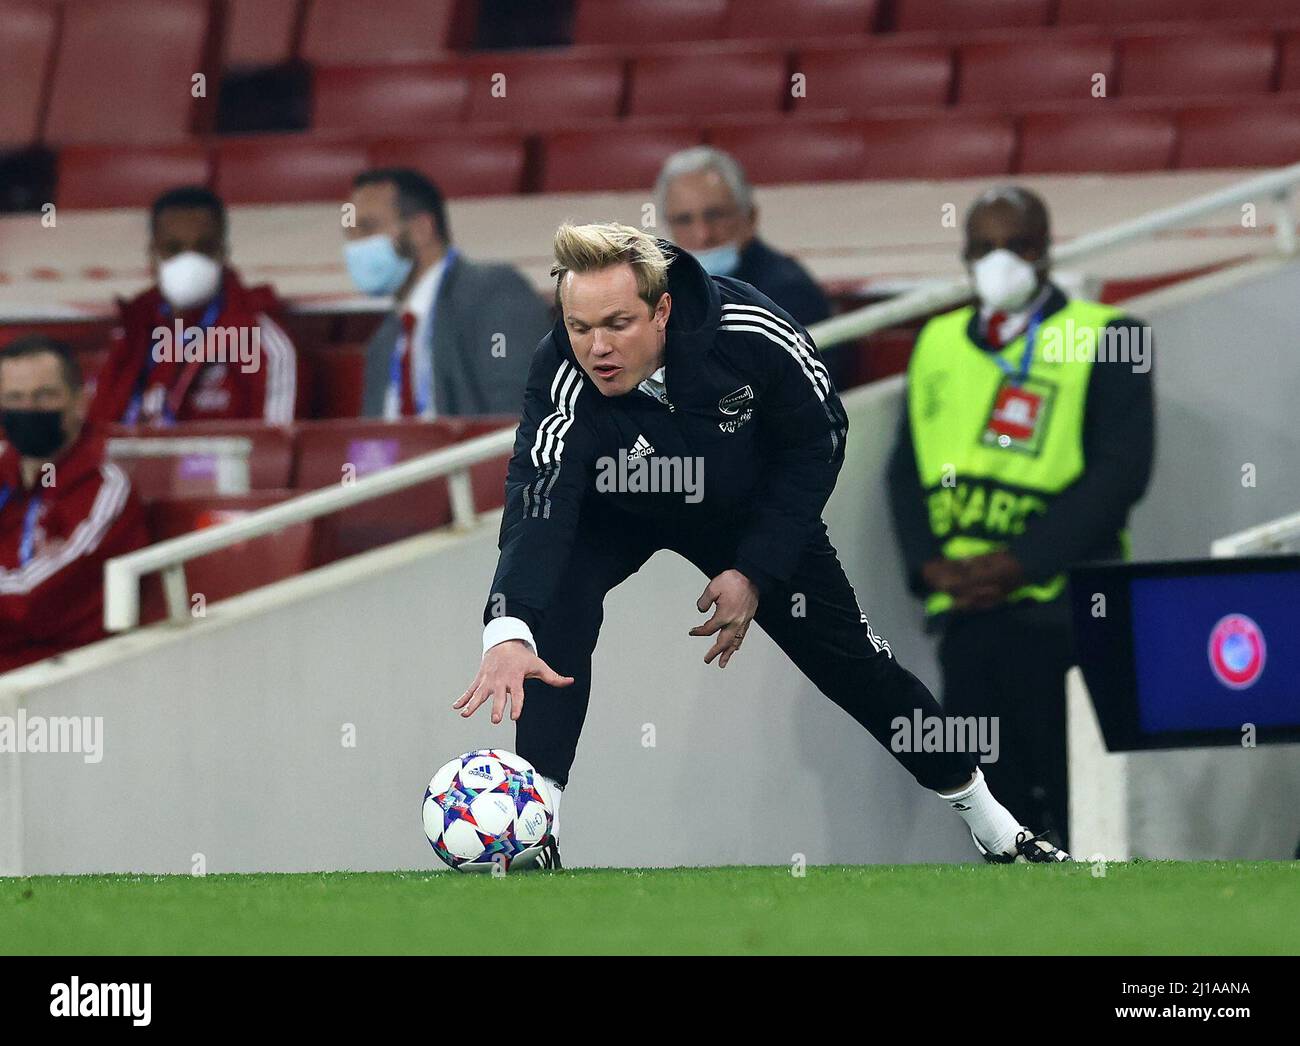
{"points": [[750, 398]]}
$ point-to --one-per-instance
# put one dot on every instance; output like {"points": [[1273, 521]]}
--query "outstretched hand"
{"points": [[501, 677], [735, 601]]}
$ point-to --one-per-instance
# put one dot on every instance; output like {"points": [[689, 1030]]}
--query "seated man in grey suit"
{"points": [[461, 333]]}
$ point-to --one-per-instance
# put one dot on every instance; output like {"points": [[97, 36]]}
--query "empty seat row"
{"points": [[636, 21], [183, 492], [1094, 136], [305, 456], [378, 81], [547, 92], [278, 168]]}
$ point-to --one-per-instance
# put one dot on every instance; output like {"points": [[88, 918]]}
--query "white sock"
{"points": [[991, 822], [557, 793]]}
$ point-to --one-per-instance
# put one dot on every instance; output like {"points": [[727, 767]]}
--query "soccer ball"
{"points": [[488, 810]]}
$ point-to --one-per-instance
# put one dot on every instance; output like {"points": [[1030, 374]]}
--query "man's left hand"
{"points": [[735, 601]]}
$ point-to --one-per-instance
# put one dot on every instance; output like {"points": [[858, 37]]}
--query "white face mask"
{"points": [[189, 279], [1003, 280]]}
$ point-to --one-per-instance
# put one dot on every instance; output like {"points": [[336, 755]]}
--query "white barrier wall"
{"points": [[227, 738]]}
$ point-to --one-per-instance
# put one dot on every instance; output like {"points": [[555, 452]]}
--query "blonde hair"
{"points": [[587, 248]]}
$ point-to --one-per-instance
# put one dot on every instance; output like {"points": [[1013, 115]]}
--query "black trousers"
{"points": [[831, 643], [1010, 662]]}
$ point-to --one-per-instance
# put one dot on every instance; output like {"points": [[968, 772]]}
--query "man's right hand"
{"points": [[502, 674]]}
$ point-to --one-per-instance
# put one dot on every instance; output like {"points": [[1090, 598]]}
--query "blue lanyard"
{"points": [[209, 317], [1019, 374], [28, 541], [423, 394]]}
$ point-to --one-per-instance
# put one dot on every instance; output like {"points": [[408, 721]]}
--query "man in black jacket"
{"points": [[708, 204], [655, 377]]}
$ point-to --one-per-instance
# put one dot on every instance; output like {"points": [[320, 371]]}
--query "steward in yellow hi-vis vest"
{"points": [[1025, 438], [998, 435]]}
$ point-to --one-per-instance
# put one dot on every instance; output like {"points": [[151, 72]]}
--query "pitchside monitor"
{"points": [[1182, 654]]}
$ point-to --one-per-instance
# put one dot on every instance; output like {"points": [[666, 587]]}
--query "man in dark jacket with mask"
{"points": [[708, 205], [64, 510], [656, 378], [459, 337]]}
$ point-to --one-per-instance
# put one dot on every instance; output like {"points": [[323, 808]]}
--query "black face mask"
{"points": [[35, 433]]}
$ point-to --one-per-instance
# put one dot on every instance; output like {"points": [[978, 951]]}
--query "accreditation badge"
{"points": [[1019, 414]]}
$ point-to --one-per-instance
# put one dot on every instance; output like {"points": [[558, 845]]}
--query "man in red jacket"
{"points": [[64, 510], [198, 345]]}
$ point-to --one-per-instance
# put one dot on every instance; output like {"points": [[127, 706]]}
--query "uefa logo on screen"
{"points": [[1237, 651]]}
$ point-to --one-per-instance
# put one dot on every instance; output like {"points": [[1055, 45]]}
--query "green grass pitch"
{"points": [[1141, 907]]}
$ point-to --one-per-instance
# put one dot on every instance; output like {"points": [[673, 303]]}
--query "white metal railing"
{"points": [[230, 454], [1274, 538], [1274, 187], [122, 575]]}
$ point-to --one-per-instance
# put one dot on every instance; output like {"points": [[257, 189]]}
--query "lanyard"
{"points": [[132, 414], [421, 391], [1019, 374], [28, 541]]}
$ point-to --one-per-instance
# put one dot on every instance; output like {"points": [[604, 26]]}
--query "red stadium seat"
{"points": [[582, 161], [107, 176], [466, 164], [269, 466], [1289, 72], [636, 22], [85, 336], [238, 568], [1206, 65], [1119, 13], [275, 169], [388, 99], [339, 32], [260, 32], [337, 377], [1009, 73], [962, 15], [153, 47], [794, 150], [938, 147], [329, 452], [488, 478], [26, 49], [733, 81], [782, 20], [859, 79], [887, 353], [1266, 135], [545, 91], [1110, 141]]}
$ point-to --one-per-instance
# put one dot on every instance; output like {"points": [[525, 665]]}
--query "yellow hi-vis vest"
{"points": [[989, 456]]}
